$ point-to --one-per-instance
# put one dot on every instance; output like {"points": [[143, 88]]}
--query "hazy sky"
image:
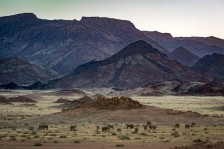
{"points": [[178, 17]]}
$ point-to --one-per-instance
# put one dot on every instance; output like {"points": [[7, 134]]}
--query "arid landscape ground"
{"points": [[19, 122]]}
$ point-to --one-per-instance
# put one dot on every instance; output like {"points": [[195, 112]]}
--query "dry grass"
{"points": [[20, 124]]}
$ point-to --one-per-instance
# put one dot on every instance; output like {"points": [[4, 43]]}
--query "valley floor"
{"points": [[19, 123]]}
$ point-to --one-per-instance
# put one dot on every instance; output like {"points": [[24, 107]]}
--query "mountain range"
{"points": [[198, 46], [62, 45], [101, 52], [135, 65]]}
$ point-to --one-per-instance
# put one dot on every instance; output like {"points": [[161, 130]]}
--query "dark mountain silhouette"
{"points": [[183, 56], [211, 65], [135, 65], [196, 47], [21, 72], [62, 45]]}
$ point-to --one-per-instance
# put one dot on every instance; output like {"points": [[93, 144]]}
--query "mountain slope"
{"points": [[211, 65], [22, 72], [183, 56], [62, 45], [196, 47], [207, 40], [133, 66]]}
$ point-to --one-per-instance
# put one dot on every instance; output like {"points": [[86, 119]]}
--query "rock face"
{"points": [[22, 72], [62, 45], [198, 46], [183, 56], [135, 65], [211, 65]]}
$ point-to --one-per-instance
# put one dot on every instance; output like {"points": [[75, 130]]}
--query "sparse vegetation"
{"points": [[123, 137]]}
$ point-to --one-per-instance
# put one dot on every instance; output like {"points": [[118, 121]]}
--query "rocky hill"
{"points": [[62, 45], [22, 72], [195, 46], [211, 65], [183, 56], [135, 65]]}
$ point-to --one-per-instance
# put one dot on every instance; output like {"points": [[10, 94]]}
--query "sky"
{"points": [[178, 17]]}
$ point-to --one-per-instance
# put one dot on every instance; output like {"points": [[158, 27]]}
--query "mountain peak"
{"points": [[137, 47], [211, 65], [183, 56]]}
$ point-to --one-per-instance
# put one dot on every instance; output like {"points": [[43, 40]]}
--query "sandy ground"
{"points": [[19, 123]]}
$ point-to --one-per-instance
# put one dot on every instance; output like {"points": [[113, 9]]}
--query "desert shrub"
{"points": [[28, 138], [76, 141], [23, 136], [119, 145], [166, 140], [55, 142], [62, 136], [37, 144], [33, 133], [123, 137], [114, 134], [138, 138], [12, 138], [197, 141], [36, 136], [175, 134], [143, 134], [3, 136]]}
